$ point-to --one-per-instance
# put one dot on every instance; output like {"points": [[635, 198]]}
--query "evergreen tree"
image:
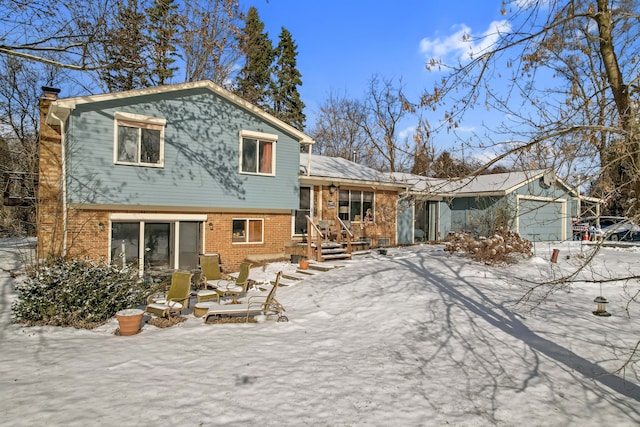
{"points": [[254, 77], [163, 28], [446, 166], [285, 98], [125, 49]]}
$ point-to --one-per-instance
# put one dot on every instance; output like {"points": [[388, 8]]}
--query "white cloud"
{"points": [[463, 44], [406, 133]]}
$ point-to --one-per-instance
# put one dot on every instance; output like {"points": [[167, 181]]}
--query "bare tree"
{"points": [[209, 40], [337, 130], [562, 73], [20, 83], [59, 33], [424, 153], [385, 106]]}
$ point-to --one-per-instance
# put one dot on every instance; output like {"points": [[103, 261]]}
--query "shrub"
{"points": [[79, 293], [503, 247]]}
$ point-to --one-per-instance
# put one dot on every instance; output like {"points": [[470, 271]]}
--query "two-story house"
{"points": [[157, 176]]}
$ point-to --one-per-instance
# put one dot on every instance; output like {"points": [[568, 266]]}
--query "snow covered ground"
{"points": [[417, 337]]}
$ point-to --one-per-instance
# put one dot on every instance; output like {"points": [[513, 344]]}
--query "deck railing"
{"points": [[319, 238]]}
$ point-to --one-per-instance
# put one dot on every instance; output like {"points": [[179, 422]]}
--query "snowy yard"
{"points": [[413, 338]]}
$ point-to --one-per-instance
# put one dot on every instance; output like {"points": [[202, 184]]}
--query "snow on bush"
{"points": [[78, 293], [504, 246]]}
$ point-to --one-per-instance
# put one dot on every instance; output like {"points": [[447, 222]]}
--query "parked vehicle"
{"points": [[614, 228]]}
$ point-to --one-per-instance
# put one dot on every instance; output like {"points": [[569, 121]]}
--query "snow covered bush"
{"points": [[78, 293], [503, 247]]}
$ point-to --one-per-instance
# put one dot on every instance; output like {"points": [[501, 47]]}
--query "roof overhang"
{"points": [[323, 180], [61, 109]]}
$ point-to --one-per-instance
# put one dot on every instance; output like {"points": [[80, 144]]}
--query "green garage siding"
{"points": [[541, 220], [405, 222]]}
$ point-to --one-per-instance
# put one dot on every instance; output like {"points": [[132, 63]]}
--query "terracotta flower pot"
{"points": [[129, 321], [304, 265]]}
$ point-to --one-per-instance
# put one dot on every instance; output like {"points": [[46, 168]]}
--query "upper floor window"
{"points": [[355, 205], [139, 140], [257, 153]]}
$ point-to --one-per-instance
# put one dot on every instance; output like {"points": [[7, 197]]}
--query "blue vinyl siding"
{"points": [[201, 156]]}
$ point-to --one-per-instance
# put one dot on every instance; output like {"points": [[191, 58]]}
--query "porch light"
{"points": [[332, 188], [601, 310], [101, 226], [210, 226]]}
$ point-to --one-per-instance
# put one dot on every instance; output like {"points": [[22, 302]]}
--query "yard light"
{"points": [[601, 310]]}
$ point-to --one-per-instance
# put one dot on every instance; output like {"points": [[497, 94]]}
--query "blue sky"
{"points": [[341, 44]]}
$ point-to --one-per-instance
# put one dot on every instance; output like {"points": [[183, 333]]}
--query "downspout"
{"points": [[309, 160], [63, 184]]}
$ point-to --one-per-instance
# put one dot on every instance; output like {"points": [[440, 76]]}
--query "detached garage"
{"points": [[536, 204]]}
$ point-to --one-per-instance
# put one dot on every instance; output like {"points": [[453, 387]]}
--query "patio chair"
{"points": [[176, 299], [255, 305], [211, 272], [237, 288]]}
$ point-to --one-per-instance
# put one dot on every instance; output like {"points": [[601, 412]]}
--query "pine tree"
{"points": [[285, 98], [163, 28], [254, 77], [125, 49]]}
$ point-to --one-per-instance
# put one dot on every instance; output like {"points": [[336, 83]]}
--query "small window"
{"points": [[247, 231], [139, 140], [257, 153]]}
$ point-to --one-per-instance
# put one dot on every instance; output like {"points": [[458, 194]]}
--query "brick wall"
{"points": [[277, 233], [385, 214], [86, 239]]}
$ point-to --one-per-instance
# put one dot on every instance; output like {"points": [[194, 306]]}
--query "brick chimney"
{"points": [[49, 227]]}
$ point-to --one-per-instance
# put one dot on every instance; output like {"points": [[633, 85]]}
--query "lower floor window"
{"points": [[355, 205], [247, 231], [165, 245]]}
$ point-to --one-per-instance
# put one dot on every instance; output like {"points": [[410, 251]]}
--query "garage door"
{"points": [[541, 219]]}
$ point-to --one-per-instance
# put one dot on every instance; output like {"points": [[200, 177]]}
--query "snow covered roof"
{"points": [[495, 184], [339, 169]]}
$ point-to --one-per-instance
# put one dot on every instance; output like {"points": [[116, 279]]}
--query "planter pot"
{"points": [[129, 321], [304, 265]]}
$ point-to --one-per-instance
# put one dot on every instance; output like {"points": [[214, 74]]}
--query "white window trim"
{"points": [[149, 217], [142, 120], [259, 136], [246, 222]]}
